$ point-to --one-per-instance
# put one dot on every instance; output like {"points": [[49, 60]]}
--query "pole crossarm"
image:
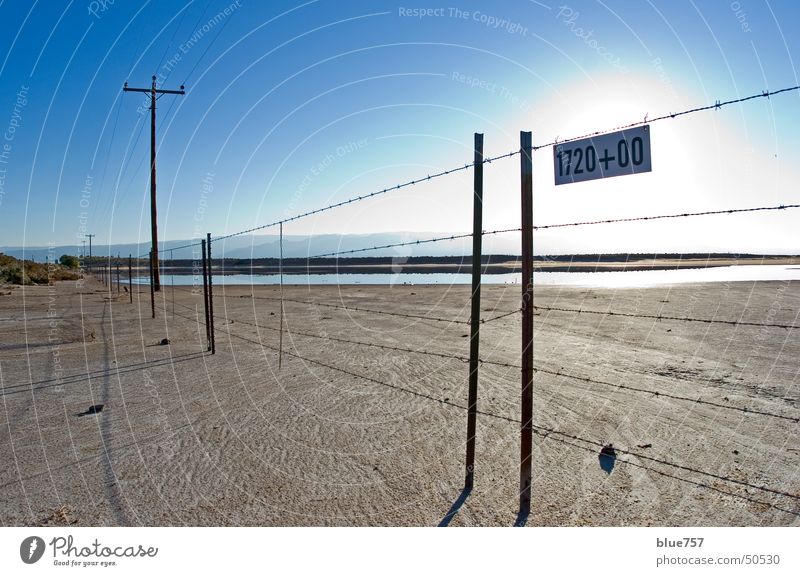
{"points": [[126, 88]]}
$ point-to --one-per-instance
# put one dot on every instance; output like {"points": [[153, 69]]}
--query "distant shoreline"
{"points": [[491, 264]]}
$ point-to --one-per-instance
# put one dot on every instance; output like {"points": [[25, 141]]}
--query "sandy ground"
{"points": [[704, 415]]}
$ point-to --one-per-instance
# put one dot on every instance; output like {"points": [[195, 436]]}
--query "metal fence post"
{"points": [[475, 314], [280, 273], [152, 292], [211, 293], [205, 296], [526, 428]]}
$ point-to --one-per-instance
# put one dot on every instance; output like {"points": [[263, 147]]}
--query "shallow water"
{"points": [[631, 279]]}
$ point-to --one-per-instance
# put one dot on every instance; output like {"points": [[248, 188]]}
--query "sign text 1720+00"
{"points": [[604, 156]]}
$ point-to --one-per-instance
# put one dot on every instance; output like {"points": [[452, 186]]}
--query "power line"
{"points": [[208, 47]]}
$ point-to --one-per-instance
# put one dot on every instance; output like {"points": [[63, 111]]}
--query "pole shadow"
{"points": [[455, 508]]}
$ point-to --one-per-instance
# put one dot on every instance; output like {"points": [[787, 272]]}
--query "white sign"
{"points": [[604, 156]]}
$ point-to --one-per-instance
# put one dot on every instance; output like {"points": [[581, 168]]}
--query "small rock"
{"points": [[164, 342], [736, 452], [608, 450]]}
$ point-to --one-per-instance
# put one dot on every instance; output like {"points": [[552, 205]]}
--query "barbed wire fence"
{"points": [[524, 313]]}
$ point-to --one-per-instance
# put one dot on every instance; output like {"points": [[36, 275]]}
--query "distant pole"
{"points": [[118, 286], [475, 314], [205, 296], [280, 273], [211, 293], [172, 278], [153, 91], [152, 289], [90, 236], [130, 278], [526, 430]]}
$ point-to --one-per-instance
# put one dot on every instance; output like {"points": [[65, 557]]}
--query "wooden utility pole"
{"points": [[526, 432], [475, 314], [153, 91]]}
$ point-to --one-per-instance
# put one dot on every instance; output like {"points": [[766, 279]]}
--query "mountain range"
{"points": [[268, 246]]}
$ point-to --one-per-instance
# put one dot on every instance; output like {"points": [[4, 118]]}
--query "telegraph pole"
{"points": [[153, 91]]}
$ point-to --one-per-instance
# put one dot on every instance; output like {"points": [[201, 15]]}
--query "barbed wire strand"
{"points": [[663, 317], [665, 216], [543, 431], [365, 196], [483, 361], [354, 308], [716, 106], [549, 431], [660, 394]]}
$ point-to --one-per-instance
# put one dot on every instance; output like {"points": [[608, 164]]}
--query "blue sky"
{"points": [[292, 105]]}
